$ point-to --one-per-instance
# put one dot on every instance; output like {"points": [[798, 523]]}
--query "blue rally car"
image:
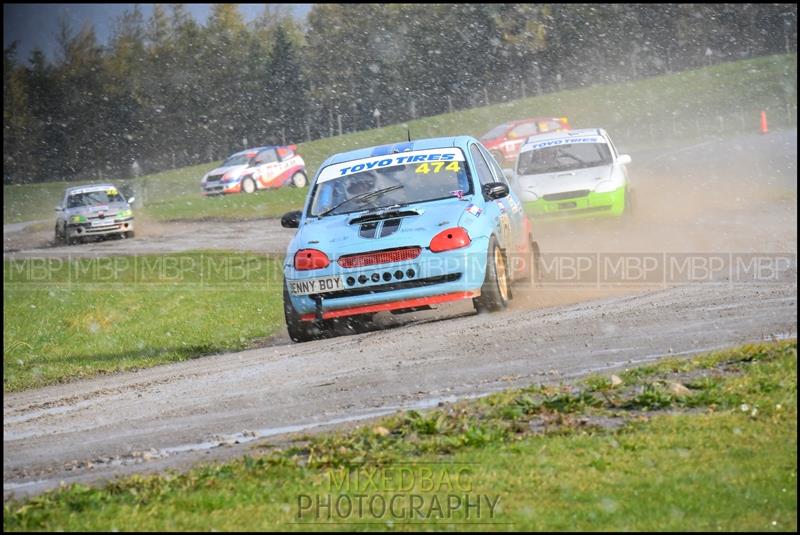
{"points": [[401, 228]]}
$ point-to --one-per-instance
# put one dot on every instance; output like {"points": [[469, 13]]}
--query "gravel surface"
{"points": [[729, 199]]}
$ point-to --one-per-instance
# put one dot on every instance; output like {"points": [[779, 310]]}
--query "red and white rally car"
{"points": [[505, 140], [257, 168]]}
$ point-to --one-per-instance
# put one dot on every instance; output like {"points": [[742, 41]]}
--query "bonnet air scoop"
{"points": [[380, 216]]}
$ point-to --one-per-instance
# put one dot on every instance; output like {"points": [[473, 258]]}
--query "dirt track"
{"points": [[107, 422], [719, 197], [264, 235]]}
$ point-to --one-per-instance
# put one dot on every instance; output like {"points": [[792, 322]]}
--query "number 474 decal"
{"points": [[425, 168]]}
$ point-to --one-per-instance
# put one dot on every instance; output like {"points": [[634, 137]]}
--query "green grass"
{"points": [[268, 203], [723, 457], [720, 100], [69, 319]]}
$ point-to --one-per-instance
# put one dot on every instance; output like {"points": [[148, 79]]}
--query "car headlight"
{"points": [[77, 219], [124, 213], [606, 186]]}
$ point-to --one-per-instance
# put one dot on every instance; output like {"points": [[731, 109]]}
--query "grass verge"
{"points": [[68, 319], [719, 100], [262, 204], [703, 444]]}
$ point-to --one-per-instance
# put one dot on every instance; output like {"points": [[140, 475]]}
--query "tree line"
{"points": [[167, 91]]}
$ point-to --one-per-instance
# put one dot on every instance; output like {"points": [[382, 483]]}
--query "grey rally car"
{"points": [[94, 210]]}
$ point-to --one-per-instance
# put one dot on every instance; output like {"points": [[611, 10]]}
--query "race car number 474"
{"points": [[311, 286]]}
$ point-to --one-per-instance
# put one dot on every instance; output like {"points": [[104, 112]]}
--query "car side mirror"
{"points": [[132, 200], [291, 219], [495, 190], [624, 159]]}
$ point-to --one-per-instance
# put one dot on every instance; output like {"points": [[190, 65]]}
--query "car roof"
{"points": [[89, 187], [542, 138], [254, 149], [532, 119], [401, 146], [259, 149]]}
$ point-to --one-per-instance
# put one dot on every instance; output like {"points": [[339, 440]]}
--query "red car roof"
{"points": [[532, 119]]}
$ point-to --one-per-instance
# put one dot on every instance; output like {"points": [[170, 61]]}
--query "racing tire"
{"points": [[299, 180], [496, 289], [248, 185], [299, 330], [628, 210], [532, 271], [60, 239]]}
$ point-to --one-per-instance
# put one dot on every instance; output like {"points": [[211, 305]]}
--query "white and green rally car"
{"points": [[573, 174], [93, 210]]}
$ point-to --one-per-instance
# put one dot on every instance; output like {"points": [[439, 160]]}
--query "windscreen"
{"points": [[236, 159], [393, 179], [563, 155], [94, 198]]}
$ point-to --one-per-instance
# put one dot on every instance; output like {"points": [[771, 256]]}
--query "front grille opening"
{"points": [[566, 195], [576, 211], [379, 257]]}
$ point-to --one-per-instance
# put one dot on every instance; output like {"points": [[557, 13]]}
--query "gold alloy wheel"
{"points": [[500, 270]]}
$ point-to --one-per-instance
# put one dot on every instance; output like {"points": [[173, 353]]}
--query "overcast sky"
{"points": [[36, 25]]}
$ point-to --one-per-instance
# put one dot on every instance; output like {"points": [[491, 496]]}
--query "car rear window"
{"points": [[496, 131], [549, 126], [266, 156], [524, 130], [284, 153]]}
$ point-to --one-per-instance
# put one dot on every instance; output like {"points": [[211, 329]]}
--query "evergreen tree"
{"points": [[286, 92]]}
